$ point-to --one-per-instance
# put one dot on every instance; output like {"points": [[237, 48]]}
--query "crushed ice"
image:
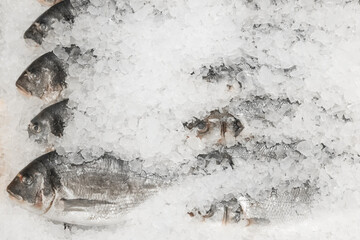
{"points": [[291, 77]]}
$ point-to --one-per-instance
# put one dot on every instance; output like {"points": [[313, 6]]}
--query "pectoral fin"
{"points": [[82, 204]]}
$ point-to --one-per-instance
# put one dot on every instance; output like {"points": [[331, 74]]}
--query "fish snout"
{"points": [[21, 85], [31, 43], [10, 190], [33, 37]]}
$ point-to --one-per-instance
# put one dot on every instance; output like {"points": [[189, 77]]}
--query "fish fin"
{"points": [[257, 221], [82, 204], [67, 226], [225, 219], [57, 128]]}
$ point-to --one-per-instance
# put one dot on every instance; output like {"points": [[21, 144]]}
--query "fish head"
{"points": [[31, 83], [39, 78], [32, 188], [39, 128], [217, 126], [36, 33]]}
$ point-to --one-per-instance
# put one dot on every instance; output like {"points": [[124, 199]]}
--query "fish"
{"points": [[275, 207], [242, 70], [92, 192], [51, 120], [216, 125], [212, 162], [259, 107], [228, 157], [244, 67], [44, 77], [261, 150], [39, 30], [49, 2]]}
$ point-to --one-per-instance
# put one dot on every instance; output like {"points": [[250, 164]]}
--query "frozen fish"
{"points": [[214, 161], [62, 11], [228, 157], [261, 107], [265, 151], [244, 67], [81, 191], [275, 207], [44, 77], [51, 120]]}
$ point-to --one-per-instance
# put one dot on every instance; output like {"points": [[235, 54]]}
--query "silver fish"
{"points": [[44, 77], [228, 72], [209, 163], [243, 70], [228, 157], [90, 192], [258, 107], [51, 120], [265, 151], [37, 32], [275, 207]]}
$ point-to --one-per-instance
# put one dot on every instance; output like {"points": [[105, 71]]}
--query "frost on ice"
{"points": [[287, 71]]}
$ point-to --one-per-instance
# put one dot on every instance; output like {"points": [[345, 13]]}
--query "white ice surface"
{"points": [[140, 90]]}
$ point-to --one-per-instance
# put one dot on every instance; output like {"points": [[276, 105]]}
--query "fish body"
{"points": [[228, 158], [267, 111], [44, 77], [209, 163], [275, 207], [51, 120], [37, 32], [241, 70], [87, 192], [265, 151]]}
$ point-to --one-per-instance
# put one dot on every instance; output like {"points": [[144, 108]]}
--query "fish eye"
{"points": [[43, 27], [27, 179], [202, 127], [238, 123], [35, 127], [40, 26]]}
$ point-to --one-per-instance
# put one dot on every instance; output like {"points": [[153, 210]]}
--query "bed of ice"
{"points": [[146, 80]]}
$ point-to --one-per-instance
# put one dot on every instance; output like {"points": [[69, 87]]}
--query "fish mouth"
{"points": [[13, 195], [22, 89], [31, 42]]}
